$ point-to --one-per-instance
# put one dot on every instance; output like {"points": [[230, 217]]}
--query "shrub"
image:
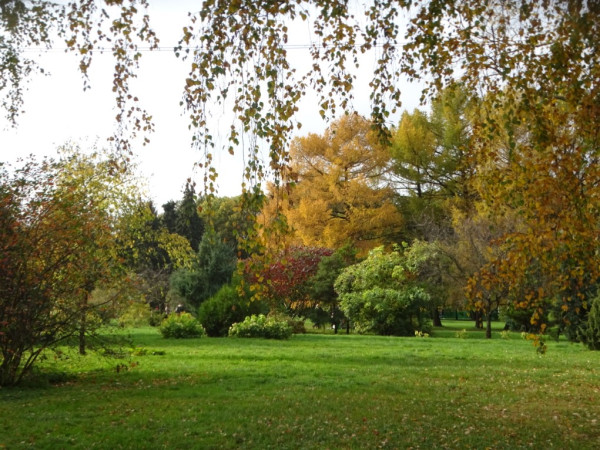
{"points": [[181, 326], [387, 311], [137, 314], [261, 326], [461, 334], [297, 325], [380, 295], [589, 331], [156, 318], [518, 319], [224, 309]]}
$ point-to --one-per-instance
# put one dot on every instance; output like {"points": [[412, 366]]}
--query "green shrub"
{"points": [[461, 334], [380, 295], [518, 319], [589, 331], [156, 318], [181, 326], [261, 326], [224, 309], [387, 311], [137, 314], [297, 325]]}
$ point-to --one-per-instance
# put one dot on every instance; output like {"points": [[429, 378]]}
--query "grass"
{"points": [[315, 391]]}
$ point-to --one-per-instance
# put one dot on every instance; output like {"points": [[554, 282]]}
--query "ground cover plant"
{"points": [[313, 391]]}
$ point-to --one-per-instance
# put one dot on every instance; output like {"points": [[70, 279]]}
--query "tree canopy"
{"points": [[340, 194], [533, 65], [58, 239], [380, 295]]}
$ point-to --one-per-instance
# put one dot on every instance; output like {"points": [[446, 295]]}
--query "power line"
{"points": [[160, 49]]}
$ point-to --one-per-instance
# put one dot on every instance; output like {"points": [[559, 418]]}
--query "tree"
{"points": [[287, 278], [146, 243], [431, 151], [413, 149], [187, 220], [432, 164], [536, 61], [431, 268], [95, 182], [84, 27], [340, 196], [537, 64], [478, 251], [183, 217], [169, 216], [57, 246], [589, 332], [379, 295], [322, 288], [150, 252], [212, 268], [227, 217]]}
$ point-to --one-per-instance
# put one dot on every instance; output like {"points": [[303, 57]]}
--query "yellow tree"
{"points": [[433, 164], [536, 66], [549, 176], [341, 195], [431, 151]]}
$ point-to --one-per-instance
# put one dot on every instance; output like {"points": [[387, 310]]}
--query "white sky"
{"points": [[57, 110]]}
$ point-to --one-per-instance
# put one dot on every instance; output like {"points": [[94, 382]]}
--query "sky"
{"points": [[57, 111]]}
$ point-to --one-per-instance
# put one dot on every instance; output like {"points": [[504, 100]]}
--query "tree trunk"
{"points": [[82, 333], [335, 322], [478, 318], [488, 329], [9, 369], [437, 320], [82, 323]]}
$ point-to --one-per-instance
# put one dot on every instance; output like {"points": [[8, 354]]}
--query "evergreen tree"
{"points": [[187, 220]]}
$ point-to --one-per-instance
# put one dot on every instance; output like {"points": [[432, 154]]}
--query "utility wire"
{"points": [[177, 48]]}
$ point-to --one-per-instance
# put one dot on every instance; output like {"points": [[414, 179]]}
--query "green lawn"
{"points": [[315, 391]]}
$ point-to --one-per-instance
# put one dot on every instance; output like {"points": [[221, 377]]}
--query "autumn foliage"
{"points": [[339, 193], [503, 173], [285, 278], [57, 243]]}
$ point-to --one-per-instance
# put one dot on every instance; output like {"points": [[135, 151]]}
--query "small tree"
{"points": [[56, 245], [225, 308], [187, 220], [380, 295], [589, 332], [214, 266], [286, 280], [322, 289]]}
